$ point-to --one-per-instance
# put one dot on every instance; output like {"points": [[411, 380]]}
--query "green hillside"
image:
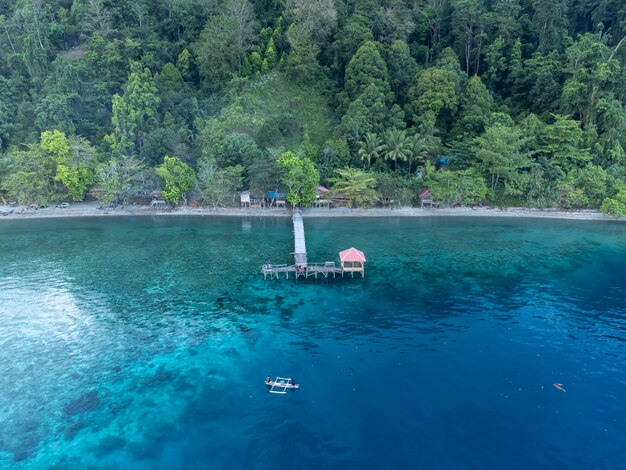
{"points": [[506, 102], [275, 112]]}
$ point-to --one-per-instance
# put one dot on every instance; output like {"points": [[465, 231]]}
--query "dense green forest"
{"points": [[513, 101]]}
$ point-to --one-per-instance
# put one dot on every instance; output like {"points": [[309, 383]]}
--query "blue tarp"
{"points": [[446, 159]]}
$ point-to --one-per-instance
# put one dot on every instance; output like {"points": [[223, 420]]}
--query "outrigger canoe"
{"points": [[281, 385]]}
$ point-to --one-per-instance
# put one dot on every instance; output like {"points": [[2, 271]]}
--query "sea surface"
{"points": [[143, 343]]}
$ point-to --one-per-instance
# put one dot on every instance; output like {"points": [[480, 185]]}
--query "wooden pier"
{"points": [[323, 270], [299, 242], [302, 267]]}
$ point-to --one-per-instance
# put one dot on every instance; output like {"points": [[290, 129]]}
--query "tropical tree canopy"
{"points": [[529, 96], [178, 177], [300, 178]]}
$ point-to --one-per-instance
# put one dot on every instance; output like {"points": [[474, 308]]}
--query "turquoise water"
{"points": [[144, 343]]}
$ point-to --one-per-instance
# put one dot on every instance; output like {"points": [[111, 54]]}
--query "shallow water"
{"points": [[144, 343]]}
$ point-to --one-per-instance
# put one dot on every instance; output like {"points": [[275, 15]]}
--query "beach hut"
{"points": [[245, 198], [352, 261], [322, 191], [321, 199], [426, 198], [257, 198], [277, 199]]}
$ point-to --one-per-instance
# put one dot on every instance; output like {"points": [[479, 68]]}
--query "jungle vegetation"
{"points": [[519, 102]]}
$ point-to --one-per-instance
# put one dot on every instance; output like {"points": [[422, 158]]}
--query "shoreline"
{"points": [[90, 209]]}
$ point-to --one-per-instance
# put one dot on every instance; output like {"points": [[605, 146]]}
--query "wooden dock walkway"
{"points": [[302, 267], [323, 270], [299, 241]]}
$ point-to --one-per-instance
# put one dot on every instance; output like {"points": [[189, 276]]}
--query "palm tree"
{"points": [[428, 170], [356, 185], [370, 148], [396, 146], [428, 134], [418, 149], [422, 147]]}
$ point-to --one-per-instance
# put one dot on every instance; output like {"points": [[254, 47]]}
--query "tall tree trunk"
{"points": [[480, 46], [38, 33], [9, 37], [469, 39], [616, 48]]}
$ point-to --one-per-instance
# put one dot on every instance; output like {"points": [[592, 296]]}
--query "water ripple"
{"points": [[144, 344]]}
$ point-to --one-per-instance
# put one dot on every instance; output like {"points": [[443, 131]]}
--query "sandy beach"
{"points": [[90, 209]]}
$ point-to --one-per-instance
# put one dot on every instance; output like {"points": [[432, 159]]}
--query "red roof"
{"points": [[351, 255]]}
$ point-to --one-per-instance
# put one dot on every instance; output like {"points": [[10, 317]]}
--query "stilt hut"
{"points": [[245, 198], [352, 261]]}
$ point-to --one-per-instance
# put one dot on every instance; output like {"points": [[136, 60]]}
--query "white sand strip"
{"points": [[90, 209]]}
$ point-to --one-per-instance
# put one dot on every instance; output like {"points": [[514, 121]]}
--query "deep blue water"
{"points": [[144, 343]]}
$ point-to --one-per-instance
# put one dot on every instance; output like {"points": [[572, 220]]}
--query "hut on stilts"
{"points": [[352, 261]]}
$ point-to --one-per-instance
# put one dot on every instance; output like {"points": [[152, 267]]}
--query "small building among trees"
{"points": [[245, 198]]}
